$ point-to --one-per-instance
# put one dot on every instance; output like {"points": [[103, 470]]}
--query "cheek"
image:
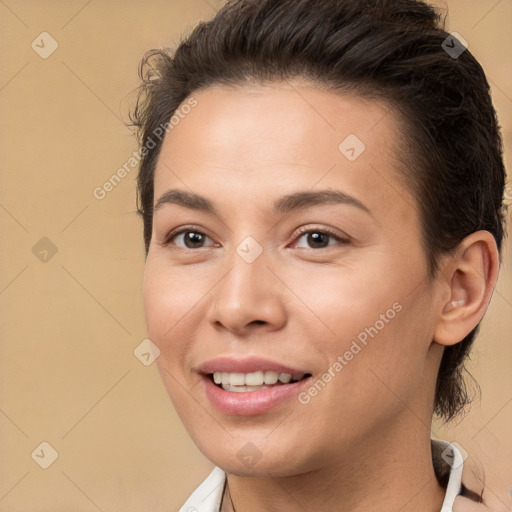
{"points": [[343, 301], [371, 333], [169, 311], [389, 370], [170, 294], [168, 305]]}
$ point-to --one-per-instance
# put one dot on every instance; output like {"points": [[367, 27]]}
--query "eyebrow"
{"points": [[285, 204]]}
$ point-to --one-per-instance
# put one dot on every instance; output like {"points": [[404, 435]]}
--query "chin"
{"points": [[258, 457]]}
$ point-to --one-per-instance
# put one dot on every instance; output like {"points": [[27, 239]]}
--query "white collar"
{"points": [[208, 496]]}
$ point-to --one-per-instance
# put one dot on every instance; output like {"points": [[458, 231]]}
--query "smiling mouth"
{"points": [[254, 381]]}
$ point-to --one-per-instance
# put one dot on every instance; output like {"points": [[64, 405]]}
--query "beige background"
{"points": [[69, 325]]}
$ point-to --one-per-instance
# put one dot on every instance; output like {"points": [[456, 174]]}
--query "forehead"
{"points": [[249, 141]]}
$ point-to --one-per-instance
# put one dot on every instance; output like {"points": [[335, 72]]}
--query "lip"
{"points": [[251, 402]]}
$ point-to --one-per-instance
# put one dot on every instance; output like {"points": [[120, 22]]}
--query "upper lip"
{"points": [[247, 365]]}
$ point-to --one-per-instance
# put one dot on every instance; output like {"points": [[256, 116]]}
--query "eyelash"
{"points": [[325, 231]]}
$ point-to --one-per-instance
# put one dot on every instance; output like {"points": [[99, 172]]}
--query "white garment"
{"points": [[208, 496]]}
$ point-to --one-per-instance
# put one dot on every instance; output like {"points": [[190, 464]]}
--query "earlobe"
{"points": [[471, 273]]}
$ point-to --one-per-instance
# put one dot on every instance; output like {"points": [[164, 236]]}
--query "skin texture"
{"points": [[243, 148]]}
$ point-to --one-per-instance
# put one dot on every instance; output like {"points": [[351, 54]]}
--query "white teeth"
{"points": [[271, 377], [237, 379], [257, 380], [254, 379], [285, 378], [243, 389]]}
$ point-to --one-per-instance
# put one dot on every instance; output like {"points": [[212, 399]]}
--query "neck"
{"points": [[385, 473]]}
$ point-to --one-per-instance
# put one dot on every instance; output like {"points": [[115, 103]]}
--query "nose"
{"points": [[248, 298]]}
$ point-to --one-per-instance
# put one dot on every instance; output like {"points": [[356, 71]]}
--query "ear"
{"points": [[470, 276]]}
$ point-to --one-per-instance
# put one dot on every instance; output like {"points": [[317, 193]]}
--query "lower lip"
{"points": [[251, 402]]}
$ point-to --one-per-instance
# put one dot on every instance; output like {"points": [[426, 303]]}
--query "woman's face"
{"points": [[299, 254]]}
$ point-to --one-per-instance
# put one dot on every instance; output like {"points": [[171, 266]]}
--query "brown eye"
{"points": [[188, 239], [319, 239]]}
